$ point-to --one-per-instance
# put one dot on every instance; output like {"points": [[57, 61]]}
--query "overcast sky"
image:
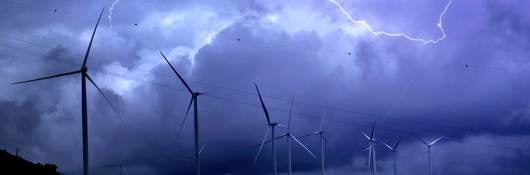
{"points": [[353, 62]]}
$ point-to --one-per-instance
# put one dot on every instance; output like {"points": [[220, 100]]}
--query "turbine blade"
{"points": [[397, 143], [367, 148], [261, 145], [303, 146], [290, 114], [433, 142], [125, 170], [202, 148], [373, 132], [388, 146], [48, 77], [279, 137], [185, 117], [178, 75], [92, 39], [424, 142], [367, 137], [263, 105], [282, 125], [307, 135], [105, 97]]}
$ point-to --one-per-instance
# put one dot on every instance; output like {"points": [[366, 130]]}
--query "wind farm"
{"points": [[209, 87]]}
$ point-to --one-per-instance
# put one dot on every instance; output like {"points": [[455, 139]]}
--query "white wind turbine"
{"points": [[320, 133], [290, 137], [394, 151], [429, 145], [272, 127], [193, 100], [371, 149]]}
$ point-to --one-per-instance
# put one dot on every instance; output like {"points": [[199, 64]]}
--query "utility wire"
{"points": [[372, 116], [345, 123], [364, 115]]}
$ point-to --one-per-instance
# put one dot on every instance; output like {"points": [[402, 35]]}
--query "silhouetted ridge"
{"points": [[14, 165]]}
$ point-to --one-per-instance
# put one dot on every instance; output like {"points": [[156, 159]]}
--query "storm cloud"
{"points": [[471, 87]]}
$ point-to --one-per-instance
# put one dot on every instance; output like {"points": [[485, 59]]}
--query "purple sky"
{"points": [[470, 86]]}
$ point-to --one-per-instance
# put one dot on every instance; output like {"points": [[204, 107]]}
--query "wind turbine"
{"points": [[429, 150], [394, 150], [320, 133], [290, 137], [193, 100], [371, 149], [272, 127], [84, 77]]}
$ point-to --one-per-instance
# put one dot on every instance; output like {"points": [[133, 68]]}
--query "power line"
{"points": [[366, 125], [371, 116], [310, 116], [140, 69]]}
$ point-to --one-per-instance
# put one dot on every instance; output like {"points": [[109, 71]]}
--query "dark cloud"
{"points": [[19, 122]]}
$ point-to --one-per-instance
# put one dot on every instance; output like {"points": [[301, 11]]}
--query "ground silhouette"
{"points": [[15, 165]]}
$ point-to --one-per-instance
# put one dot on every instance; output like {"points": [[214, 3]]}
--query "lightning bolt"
{"points": [[369, 28], [111, 8]]}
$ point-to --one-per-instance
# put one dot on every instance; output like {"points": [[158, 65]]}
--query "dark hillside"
{"points": [[14, 165]]}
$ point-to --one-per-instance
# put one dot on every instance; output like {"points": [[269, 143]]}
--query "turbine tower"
{"points": [[193, 99], [84, 76], [394, 150], [371, 149], [429, 145], [272, 127]]}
